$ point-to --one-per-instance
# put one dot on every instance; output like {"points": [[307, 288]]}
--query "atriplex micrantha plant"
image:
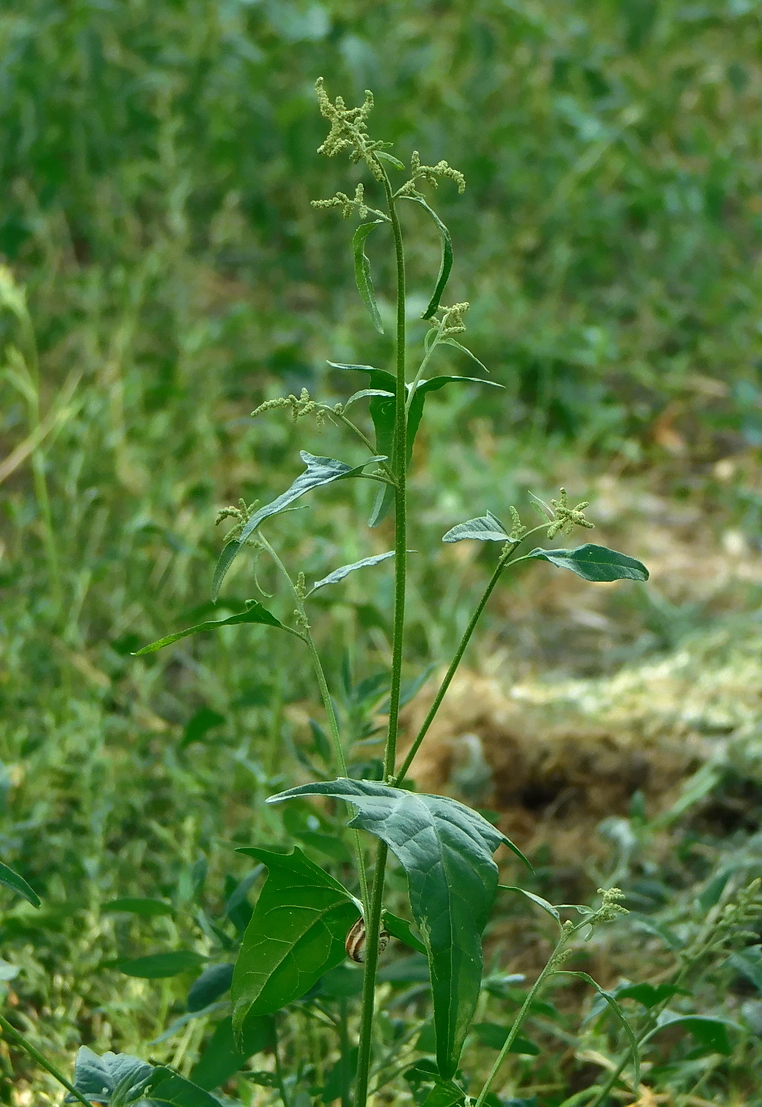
{"points": [[305, 922]]}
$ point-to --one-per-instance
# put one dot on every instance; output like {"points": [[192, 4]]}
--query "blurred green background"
{"points": [[157, 164]]}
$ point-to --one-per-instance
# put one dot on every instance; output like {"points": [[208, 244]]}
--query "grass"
{"points": [[157, 169]]}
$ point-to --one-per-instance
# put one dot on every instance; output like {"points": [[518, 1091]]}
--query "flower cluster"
{"points": [[300, 406], [348, 129], [566, 518]]}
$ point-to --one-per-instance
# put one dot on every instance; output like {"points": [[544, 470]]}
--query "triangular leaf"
{"points": [[98, 1077], [319, 471], [446, 850], [345, 570], [447, 258], [485, 528], [363, 278], [17, 884], [595, 563], [169, 1089], [444, 1094], [297, 933], [255, 613]]}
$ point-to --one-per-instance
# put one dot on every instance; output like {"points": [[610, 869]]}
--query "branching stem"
{"points": [[504, 561]]}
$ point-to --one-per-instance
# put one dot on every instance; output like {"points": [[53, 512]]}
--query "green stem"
{"points": [[346, 1098], [20, 1040], [504, 561], [279, 1072], [399, 466], [533, 991], [325, 695], [419, 374]]}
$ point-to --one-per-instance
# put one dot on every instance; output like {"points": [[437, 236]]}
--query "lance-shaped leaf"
{"points": [[485, 528], [345, 570], [596, 563], [446, 851], [447, 257], [254, 613], [381, 406], [367, 393], [382, 414], [296, 934], [158, 966], [422, 390], [618, 1013], [464, 350], [319, 471], [17, 884], [363, 278]]}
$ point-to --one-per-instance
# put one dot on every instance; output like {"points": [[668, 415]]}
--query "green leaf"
{"points": [[296, 934], [649, 994], [384, 156], [255, 613], [157, 966], [199, 724], [485, 528], [402, 931], [363, 278], [494, 1036], [138, 905], [169, 1089], [749, 963], [319, 471], [446, 850], [447, 257], [345, 570], [98, 1078], [596, 563], [419, 398], [464, 350], [444, 1094], [213, 982], [618, 1013], [17, 884], [367, 393], [543, 903], [222, 1055], [709, 1031]]}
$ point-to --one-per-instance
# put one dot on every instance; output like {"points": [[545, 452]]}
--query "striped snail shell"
{"points": [[355, 943]]}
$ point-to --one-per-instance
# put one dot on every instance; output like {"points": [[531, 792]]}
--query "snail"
{"points": [[355, 943]]}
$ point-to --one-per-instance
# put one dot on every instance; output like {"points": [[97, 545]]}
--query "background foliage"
{"points": [[157, 165]]}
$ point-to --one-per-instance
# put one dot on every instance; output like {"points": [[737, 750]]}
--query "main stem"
{"points": [[399, 465], [504, 561]]}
